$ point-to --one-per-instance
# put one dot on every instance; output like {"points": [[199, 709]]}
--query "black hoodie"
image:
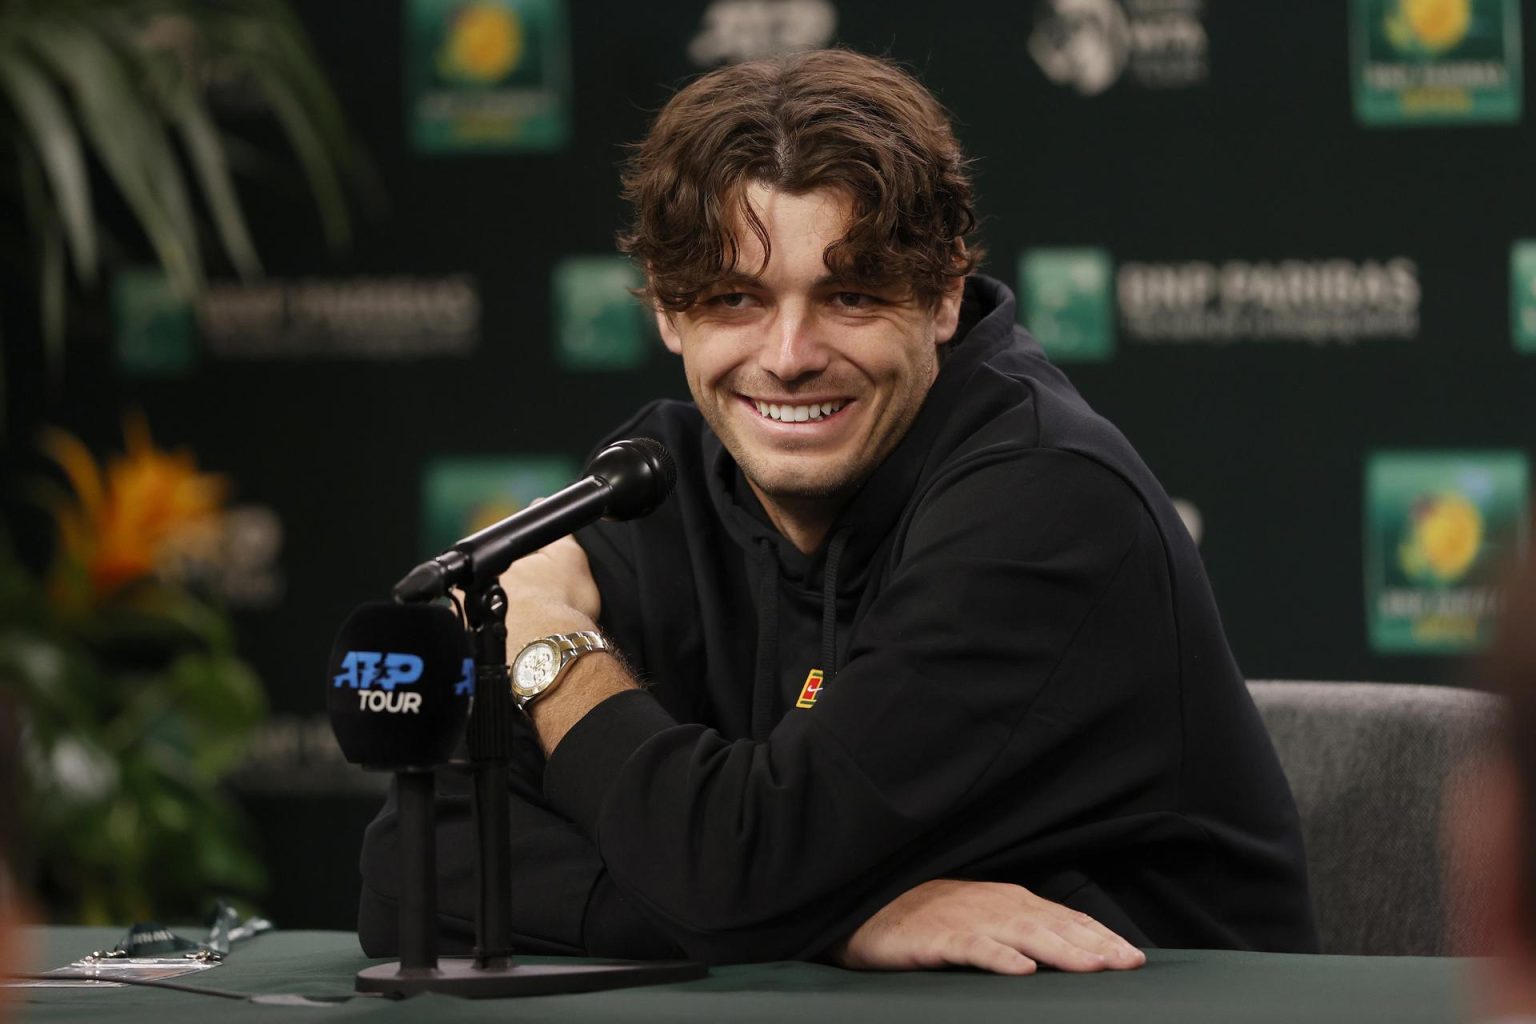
{"points": [[1023, 679]]}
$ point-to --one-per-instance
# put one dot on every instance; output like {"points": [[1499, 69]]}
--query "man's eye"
{"points": [[853, 300], [729, 300]]}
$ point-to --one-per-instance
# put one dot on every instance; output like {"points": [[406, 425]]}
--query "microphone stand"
{"points": [[491, 972]]}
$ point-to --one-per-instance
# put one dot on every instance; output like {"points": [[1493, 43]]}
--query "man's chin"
{"points": [[800, 487]]}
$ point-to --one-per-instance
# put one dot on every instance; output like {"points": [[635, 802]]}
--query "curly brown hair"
{"points": [[823, 119]]}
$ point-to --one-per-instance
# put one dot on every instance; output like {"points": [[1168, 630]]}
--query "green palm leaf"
{"points": [[90, 90], [53, 137], [128, 138]]}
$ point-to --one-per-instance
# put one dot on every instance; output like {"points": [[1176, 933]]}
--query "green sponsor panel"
{"points": [[1066, 301], [1440, 529], [1522, 295], [599, 324], [154, 330], [1435, 61], [487, 75], [460, 495]]}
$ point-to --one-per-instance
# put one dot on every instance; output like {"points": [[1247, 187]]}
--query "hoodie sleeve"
{"points": [[964, 681], [563, 901]]}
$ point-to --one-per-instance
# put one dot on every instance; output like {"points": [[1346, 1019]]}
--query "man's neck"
{"points": [[804, 522]]}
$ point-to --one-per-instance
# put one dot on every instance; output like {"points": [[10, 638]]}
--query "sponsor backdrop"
{"points": [[1289, 248]]}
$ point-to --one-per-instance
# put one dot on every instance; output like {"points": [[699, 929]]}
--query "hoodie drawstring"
{"points": [[763, 681], [765, 676], [829, 603]]}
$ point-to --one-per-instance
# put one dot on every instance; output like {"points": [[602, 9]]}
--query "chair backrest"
{"points": [[1368, 764]]}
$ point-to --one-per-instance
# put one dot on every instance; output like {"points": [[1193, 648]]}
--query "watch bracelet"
{"points": [[571, 646]]}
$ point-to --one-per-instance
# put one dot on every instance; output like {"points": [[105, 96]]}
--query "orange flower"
{"points": [[150, 502]]}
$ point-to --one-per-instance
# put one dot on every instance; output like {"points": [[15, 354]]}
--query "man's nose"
{"points": [[796, 348]]}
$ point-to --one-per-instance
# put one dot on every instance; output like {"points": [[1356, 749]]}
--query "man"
{"points": [[917, 666]]}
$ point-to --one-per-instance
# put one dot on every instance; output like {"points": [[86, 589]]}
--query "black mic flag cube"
{"points": [[399, 685]]}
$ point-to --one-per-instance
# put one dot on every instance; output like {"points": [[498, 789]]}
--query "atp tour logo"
{"points": [[363, 670], [366, 670]]}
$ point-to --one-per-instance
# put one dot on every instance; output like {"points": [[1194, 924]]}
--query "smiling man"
{"points": [[918, 666]]}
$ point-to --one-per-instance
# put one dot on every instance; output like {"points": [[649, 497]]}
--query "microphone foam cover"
{"points": [[639, 472], [399, 685]]}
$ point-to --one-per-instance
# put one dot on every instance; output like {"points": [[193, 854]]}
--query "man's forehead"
{"points": [[823, 214], [748, 278]]}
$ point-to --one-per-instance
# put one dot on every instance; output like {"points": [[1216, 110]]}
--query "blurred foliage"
{"points": [[133, 702], [109, 99]]}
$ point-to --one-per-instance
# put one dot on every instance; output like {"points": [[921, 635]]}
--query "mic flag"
{"points": [[399, 685]]}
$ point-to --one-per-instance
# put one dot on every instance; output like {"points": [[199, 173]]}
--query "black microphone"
{"points": [[399, 685], [626, 480]]}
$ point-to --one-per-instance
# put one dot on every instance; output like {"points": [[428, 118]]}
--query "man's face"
{"points": [[809, 381]]}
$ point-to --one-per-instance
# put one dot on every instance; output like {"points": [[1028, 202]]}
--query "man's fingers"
{"points": [[1085, 931], [1090, 934], [968, 949], [1042, 941], [1123, 954]]}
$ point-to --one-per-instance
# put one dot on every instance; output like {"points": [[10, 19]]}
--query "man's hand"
{"points": [[991, 925]]}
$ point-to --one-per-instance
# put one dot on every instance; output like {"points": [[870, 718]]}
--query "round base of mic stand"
{"points": [[456, 976]]}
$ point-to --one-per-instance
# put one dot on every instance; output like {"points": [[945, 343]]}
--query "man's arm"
{"points": [[563, 899], [552, 591], [748, 849]]}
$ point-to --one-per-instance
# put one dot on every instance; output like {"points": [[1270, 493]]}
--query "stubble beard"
{"points": [[831, 483]]}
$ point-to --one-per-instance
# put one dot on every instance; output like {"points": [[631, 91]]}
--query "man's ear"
{"points": [[666, 325], [946, 316]]}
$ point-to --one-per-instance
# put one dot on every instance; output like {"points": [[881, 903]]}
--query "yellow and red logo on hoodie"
{"points": [[811, 690]]}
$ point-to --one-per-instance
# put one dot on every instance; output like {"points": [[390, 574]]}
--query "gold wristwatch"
{"points": [[540, 666]]}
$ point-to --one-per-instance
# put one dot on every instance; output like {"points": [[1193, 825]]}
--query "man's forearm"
{"points": [[591, 680]]}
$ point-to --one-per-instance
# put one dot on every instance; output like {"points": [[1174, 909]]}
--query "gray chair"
{"points": [[1367, 763]]}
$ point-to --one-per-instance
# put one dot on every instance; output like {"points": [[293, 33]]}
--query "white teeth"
{"points": [[796, 413]]}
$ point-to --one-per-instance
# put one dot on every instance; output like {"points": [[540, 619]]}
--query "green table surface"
{"points": [[1184, 986]]}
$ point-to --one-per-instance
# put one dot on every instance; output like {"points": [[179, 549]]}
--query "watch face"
{"points": [[534, 669]]}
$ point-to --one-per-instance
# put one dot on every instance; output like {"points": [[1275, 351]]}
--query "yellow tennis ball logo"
{"points": [[1430, 25], [484, 44], [1444, 539]]}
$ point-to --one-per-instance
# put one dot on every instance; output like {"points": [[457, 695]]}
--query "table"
{"points": [[1176, 986]]}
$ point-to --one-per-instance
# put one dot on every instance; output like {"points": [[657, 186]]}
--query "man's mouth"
{"points": [[786, 413]]}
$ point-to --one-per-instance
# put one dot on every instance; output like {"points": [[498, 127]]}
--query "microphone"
{"points": [[628, 479], [399, 685]]}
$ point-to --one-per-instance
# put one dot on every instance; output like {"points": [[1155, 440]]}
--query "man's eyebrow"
{"points": [[736, 277], [852, 283]]}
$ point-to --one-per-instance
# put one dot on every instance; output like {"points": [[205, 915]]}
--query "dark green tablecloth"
{"points": [[1176, 986]]}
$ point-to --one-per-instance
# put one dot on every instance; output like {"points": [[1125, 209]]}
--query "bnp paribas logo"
{"points": [[1067, 298], [1522, 294], [1440, 529], [154, 330], [1436, 60], [599, 324]]}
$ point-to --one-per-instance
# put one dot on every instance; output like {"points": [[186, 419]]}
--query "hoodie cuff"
{"points": [[590, 757]]}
